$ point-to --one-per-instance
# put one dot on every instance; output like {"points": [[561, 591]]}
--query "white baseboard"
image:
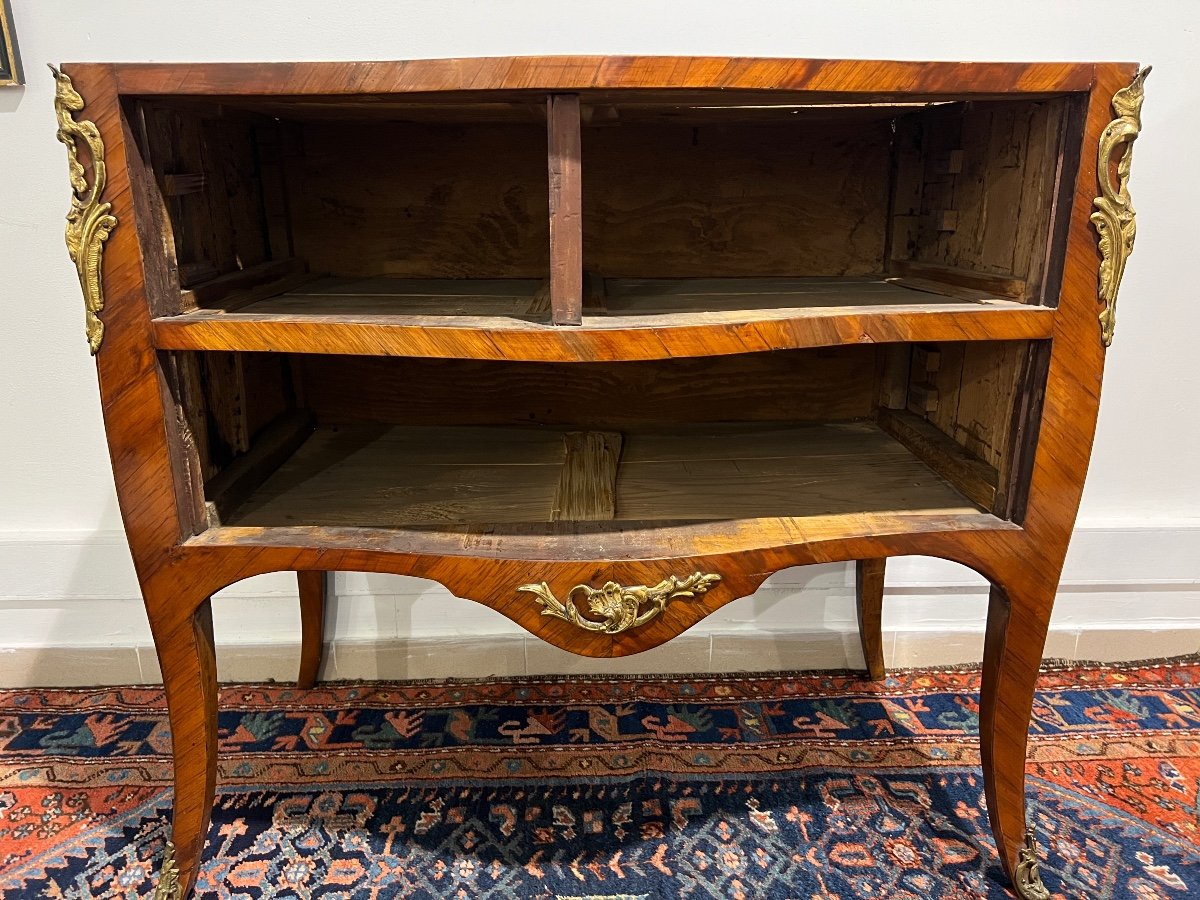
{"points": [[70, 615], [509, 656]]}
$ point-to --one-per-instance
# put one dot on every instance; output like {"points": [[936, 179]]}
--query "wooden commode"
{"points": [[598, 342]]}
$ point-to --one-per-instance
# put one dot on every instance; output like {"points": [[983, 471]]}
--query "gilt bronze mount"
{"points": [[620, 608], [89, 221], [1114, 218]]}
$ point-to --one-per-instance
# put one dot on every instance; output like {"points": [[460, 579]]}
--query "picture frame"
{"points": [[10, 59]]}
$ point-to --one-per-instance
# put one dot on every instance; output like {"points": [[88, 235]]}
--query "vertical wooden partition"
{"points": [[566, 209]]}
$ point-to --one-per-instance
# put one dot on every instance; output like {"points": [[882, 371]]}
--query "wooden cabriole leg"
{"points": [[189, 670], [1018, 617], [868, 587], [313, 587]]}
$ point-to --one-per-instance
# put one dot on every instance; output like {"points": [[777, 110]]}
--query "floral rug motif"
{"points": [[781, 786]]}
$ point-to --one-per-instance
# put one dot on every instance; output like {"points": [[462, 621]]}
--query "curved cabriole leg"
{"points": [[189, 671], [869, 591], [312, 626], [1016, 634]]}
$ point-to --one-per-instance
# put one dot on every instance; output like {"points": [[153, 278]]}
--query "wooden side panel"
{"points": [[271, 448], [225, 393], [152, 217], [269, 389], [968, 391], [421, 201], [986, 396], [973, 478], [191, 406], [208, 170], [720, 200], [270, 150], [975, 185], [226, 400], [816, 385]]}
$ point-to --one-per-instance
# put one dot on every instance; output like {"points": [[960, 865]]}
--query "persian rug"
{"points": [[817, 785]]}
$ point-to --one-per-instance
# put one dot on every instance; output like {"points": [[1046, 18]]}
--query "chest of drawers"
{"points": [[600, 343]]}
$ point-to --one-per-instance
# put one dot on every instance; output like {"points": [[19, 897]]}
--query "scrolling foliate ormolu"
{"points": [[89, 220], [1114, 218], [620, 608]]}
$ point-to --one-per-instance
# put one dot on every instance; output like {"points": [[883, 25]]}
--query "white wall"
{"points": [[65, 579]]}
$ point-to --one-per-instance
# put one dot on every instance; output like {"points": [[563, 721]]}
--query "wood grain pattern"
{"points": [[219, 228], [743, 472], [390, 477], [312, 626], [230, 487], [868, 590], [1000, 193], [662, 301], [986, 392], [793, 199], [245, 286], [946, 277], [415, 201], [874, 79], [822, 385], [156, 475], [642, 319], [394, 477], [187, 659], [970, 395], [566, 208], [971, 476], [587, 485]]}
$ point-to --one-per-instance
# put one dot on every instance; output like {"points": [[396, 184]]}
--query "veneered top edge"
{"points": [[601, 73]]}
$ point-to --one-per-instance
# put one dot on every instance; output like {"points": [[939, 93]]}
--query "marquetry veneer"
{"points": [[600, 343]]}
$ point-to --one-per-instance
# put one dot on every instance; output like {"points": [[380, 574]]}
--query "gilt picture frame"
{"points": [[10, 60]]}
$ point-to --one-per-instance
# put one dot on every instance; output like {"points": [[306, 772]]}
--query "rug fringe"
{"points": [[1050, 664]]}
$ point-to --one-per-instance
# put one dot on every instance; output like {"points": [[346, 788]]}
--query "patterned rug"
{"points": [[782, 786]]}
